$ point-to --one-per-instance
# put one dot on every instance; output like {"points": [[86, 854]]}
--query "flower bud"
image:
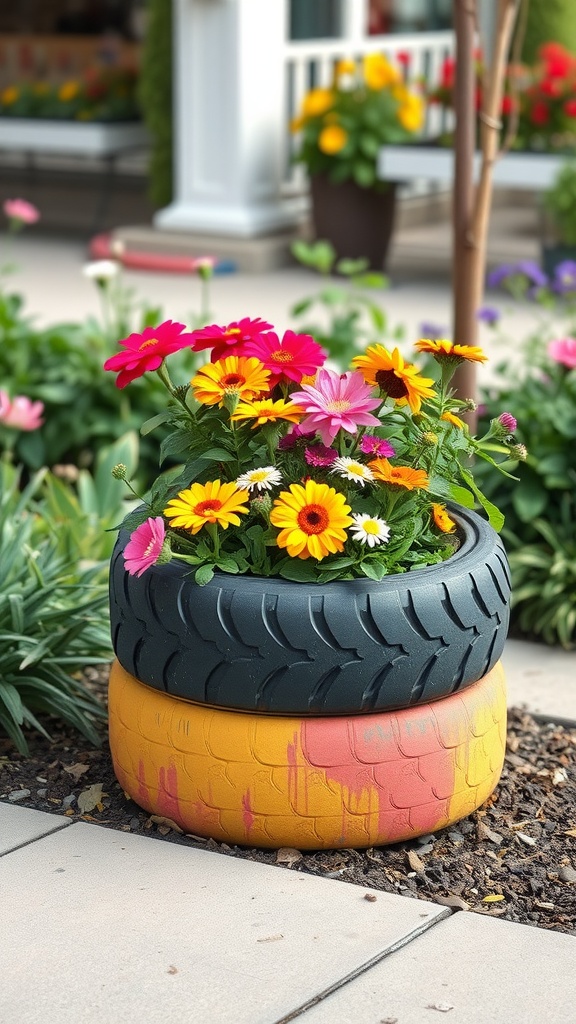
{"points": [[429, 437], [508, 421], [261, 505], [119, 471], [518, 451], [180, 392]]}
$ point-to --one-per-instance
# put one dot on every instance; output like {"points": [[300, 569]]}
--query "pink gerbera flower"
{"points": [[563, 350], [289, 359], [336, 402], [147, 351], [21, 413], [145, 546], [371, 445], [228, 340]]}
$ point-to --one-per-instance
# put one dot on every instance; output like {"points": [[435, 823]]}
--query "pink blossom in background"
{"points": [[22, 210], [563, 350], [20, 413], [145, 546], [508, 421], [371, 445]]}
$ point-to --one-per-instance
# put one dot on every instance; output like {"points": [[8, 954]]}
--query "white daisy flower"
{"points": [[100, 270], [369, 529], [261, 479], [352, 470]]}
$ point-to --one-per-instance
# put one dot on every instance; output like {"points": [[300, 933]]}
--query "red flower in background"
{"points": [[570, 108], [540, 113], [558, 60], [230, 339], [146, 351]]}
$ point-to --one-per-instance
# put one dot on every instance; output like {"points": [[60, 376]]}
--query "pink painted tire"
{"points": [[310, 783]]}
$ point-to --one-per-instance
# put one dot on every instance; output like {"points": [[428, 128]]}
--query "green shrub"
{"points": [[53, 617], [539, 510], [155, 96]]}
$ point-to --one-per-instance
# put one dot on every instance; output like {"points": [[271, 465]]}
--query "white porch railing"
{"points": [[311, 63]]}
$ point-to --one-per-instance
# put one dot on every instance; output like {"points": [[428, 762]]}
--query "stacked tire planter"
{"points": [[268, 713]]}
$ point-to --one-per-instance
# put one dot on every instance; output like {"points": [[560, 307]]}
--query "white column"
{"points": [[230, 119]]}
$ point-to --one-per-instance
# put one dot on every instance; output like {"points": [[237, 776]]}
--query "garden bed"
{"points": [[514, 858]]}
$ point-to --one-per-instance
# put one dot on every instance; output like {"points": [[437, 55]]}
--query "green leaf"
{"points": [[203, 575], [374, 570], [218, 455], [155, 421], [298, 570]]}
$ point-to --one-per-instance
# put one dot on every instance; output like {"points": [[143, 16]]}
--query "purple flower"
{"points": [[508, 421], [488, 315], [294, 437], [524, 268], [564, 277], [432, 331]]}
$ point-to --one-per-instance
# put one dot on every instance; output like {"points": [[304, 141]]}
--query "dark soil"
{"points": [[515, 858]]}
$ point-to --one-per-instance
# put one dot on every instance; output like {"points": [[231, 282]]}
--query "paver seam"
{"points": [[37, 839], [378, 958]]}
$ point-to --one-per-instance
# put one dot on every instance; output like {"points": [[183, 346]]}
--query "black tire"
{"points": [[350, 647]]}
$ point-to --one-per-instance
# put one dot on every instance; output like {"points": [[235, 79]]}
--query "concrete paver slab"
{"points": [[541, 678], [21, 825], [101, 927], [470, 970]]}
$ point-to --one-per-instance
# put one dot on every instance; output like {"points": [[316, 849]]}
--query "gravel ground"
{"points": [[515, 858]]}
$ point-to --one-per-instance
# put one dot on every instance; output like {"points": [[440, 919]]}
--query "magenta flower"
{"points": [[229, 340], [21, 210], [320, 455], [508, 421], [147, 351], [336, 402], [289, 359], [371, 445], [295, 437], [145, 546], [21, 413], [563, 350]]}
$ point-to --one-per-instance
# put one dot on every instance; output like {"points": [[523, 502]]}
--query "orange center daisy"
{"points": [[282, 355], [148, 344], [312, 519], [204, 508]]}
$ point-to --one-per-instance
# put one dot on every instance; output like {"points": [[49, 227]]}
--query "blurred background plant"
{"points": [[345, 316], [101, 94], [539, 392]]}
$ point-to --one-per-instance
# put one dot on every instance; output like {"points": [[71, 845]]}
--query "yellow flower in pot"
{"points": [[340, 132]]}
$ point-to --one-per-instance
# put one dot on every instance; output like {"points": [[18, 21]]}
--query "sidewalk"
{"points": [[102, 927]]}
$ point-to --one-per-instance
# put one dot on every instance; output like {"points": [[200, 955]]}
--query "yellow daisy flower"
{"points": [[332, 139], [411, 112], [265, 410], [9, 95], [313, 520], [212, 502], [401, 476], [68, 91], [379, 72], [450, 417], [245, 377], [441, 348], [317, 102], [395, 378], [442, 519]]}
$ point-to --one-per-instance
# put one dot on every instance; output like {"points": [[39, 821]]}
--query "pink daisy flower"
{"points": [[320, 455], [21, 413], [371, 445], [289, 359], [336, 402], [145, 546], [147, 351], [294, 437], [563, 350], [228, 340]]}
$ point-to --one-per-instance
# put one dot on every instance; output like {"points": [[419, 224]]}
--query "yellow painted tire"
{"points": [[311, 783]]}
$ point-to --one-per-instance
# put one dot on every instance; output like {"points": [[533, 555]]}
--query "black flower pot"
{"points": [[358, 222]]}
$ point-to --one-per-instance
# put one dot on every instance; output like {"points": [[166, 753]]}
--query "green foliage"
{"points": [[53, 617], [62, 366], [539, 509], [155, 95], [545, 20], [349, 316], [560, 203], [101, 94]]}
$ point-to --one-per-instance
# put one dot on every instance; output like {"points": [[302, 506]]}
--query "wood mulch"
{"points": [[513, 859]]}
